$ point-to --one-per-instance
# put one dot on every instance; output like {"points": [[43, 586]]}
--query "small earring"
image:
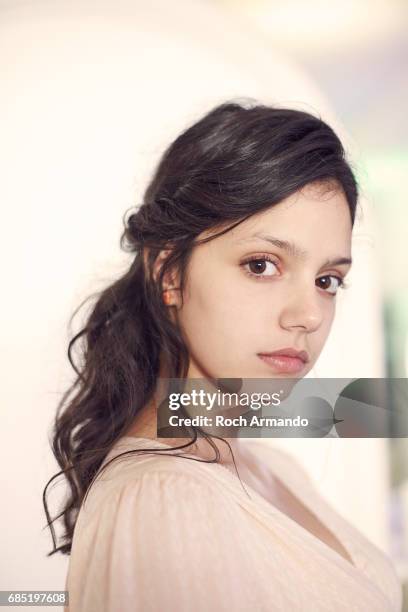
{"points": [[166, 297]]}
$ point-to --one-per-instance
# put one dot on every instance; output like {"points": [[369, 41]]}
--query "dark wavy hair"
{"points": [[234, 162]]}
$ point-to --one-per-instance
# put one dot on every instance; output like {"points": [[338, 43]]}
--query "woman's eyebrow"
{"points": [[292, 249]]}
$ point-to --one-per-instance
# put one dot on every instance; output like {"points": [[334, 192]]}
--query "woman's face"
{"points": [[248, 292]]}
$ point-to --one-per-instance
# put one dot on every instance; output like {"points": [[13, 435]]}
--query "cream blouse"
{"points": [[160, 533]]}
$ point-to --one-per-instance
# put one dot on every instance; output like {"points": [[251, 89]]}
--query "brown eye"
{"points": [[328, 285], [260, 267]]}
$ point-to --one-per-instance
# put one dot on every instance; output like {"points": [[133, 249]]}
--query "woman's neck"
{"points": [[145, 426]]}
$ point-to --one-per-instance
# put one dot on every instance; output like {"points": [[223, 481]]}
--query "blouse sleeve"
{"points": [[168, 541]]}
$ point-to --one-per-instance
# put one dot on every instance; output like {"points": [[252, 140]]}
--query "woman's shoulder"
{"points": [[133, 458], [152, 475], [167, 524], [152, 464]]}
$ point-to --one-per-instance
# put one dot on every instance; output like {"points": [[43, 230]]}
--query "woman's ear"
{"points": [[170, 288]]}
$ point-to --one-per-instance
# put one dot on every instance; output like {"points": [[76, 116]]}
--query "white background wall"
{"points": [[91, 93]]}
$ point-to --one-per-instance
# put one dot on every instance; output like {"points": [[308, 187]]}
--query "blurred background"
{"points": [[92, 92]]}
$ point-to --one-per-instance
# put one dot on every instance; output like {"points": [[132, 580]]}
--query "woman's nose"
{"points": [[303, 308]]}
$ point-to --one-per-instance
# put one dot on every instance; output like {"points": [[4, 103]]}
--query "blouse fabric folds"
{"points": [[158, 532]]}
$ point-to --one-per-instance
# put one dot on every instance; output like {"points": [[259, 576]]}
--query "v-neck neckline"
{"points": [[268, 507]]}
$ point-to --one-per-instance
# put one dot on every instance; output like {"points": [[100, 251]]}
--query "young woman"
{"points": [[240, 246]]}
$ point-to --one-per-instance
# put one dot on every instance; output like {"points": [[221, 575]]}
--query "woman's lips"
{"points": [[283, 364]]}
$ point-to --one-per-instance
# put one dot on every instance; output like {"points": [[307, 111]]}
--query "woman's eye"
{"points": [[331, 283], [261, 266]]}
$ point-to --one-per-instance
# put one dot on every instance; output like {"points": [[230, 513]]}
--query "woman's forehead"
{"points": [[301, 215]]}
